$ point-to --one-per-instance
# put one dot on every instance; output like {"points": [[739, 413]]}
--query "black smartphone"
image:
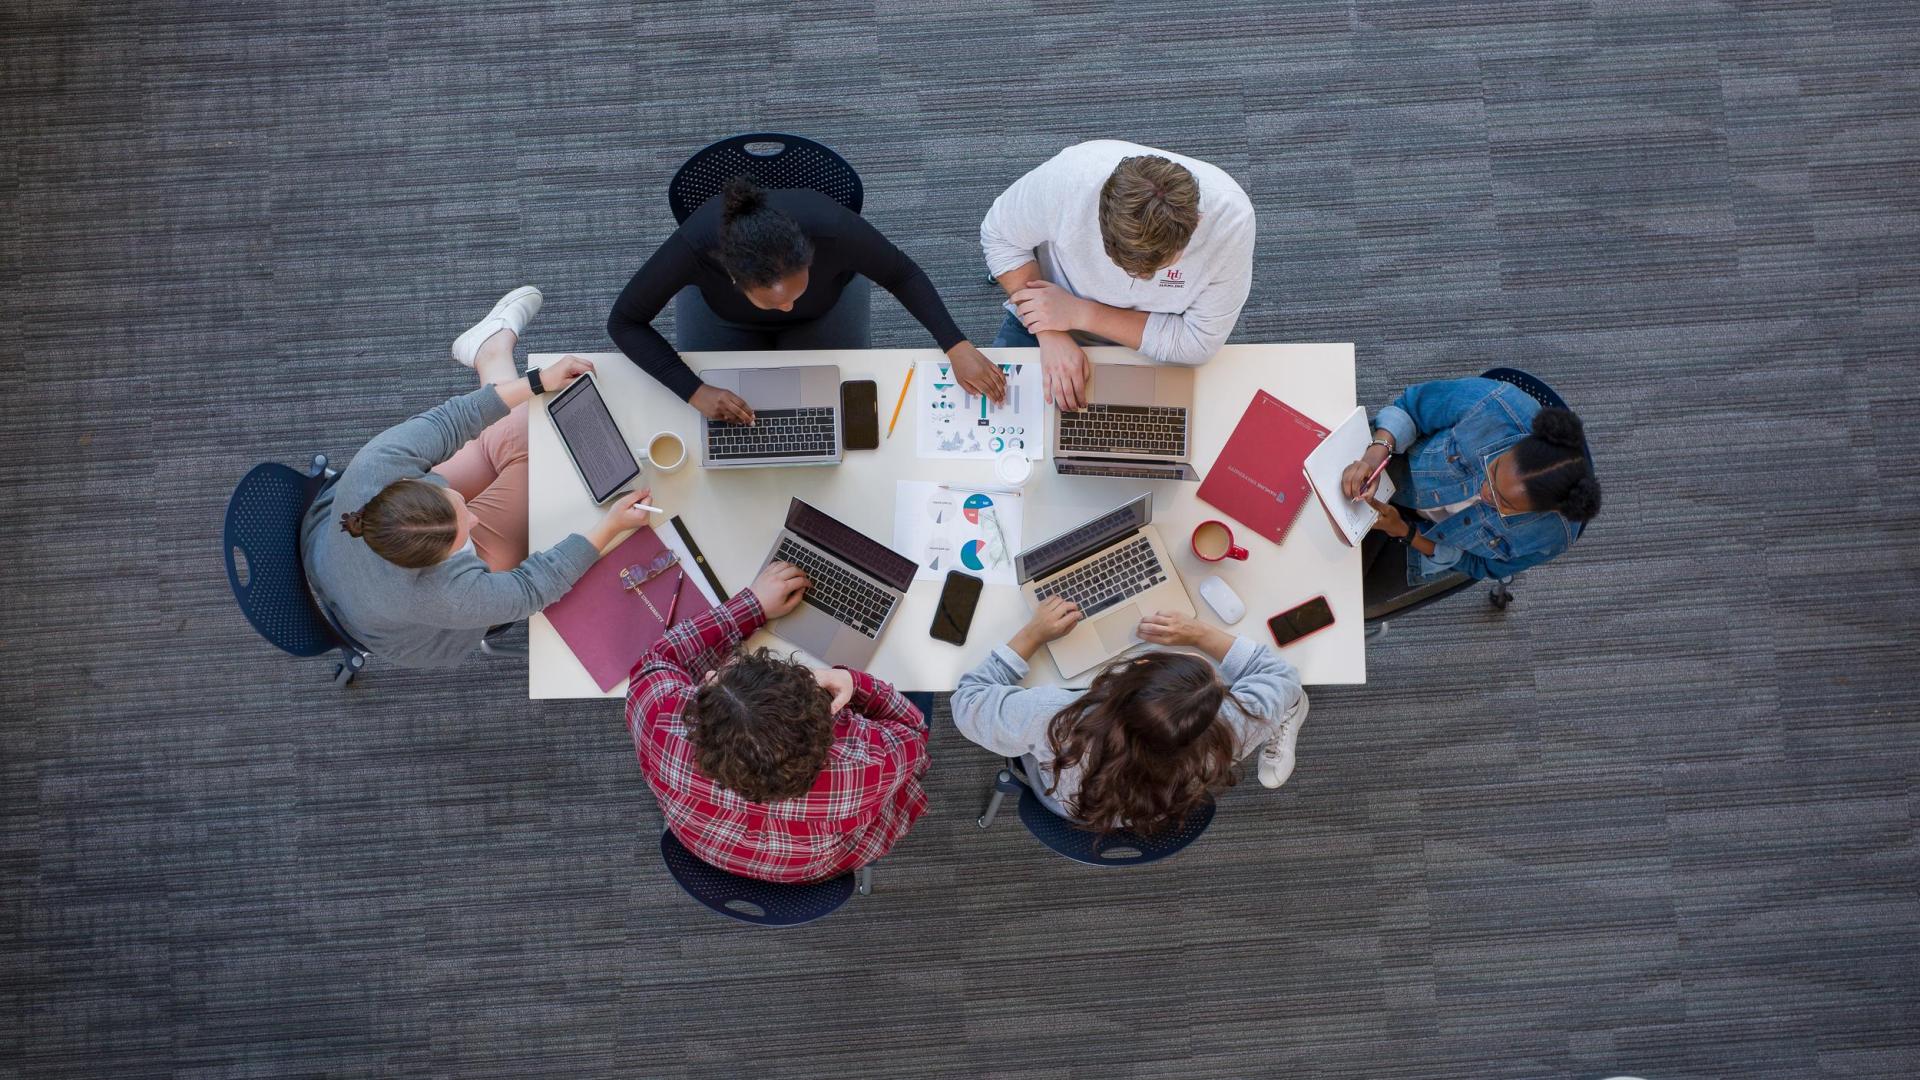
{"points": [[1304, 621], [859, 415], [953, 616]]}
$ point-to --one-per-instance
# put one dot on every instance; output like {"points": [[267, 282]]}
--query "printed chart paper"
{"points": [[974, 532], [951, 423]]}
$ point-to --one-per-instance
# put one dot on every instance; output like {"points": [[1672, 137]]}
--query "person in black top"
{"points": [[758, 269]]}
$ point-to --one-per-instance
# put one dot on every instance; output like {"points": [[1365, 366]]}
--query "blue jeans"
{"points": [[1013, 335]]}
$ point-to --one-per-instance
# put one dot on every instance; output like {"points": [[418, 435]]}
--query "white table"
{"points": [[734, 513]]}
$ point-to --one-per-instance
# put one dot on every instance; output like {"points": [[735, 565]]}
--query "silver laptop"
{"points": [[1138, 423], [796, 418], [857, 584], [1117, 569]]}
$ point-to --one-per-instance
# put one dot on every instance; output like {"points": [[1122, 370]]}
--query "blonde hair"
{"points": [[1149, 208]]}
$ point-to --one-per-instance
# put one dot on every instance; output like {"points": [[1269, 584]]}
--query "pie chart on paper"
{"points": [[972, 554], [972, 507]]}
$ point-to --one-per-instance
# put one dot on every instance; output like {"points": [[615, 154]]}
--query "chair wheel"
{"points": [[1500, 600]]}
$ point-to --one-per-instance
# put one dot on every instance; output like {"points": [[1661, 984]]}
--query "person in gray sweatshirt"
{"points": [[419, 547], [1154, 736]]}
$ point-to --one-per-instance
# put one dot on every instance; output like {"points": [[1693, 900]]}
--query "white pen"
{"points": [[985, 489]]}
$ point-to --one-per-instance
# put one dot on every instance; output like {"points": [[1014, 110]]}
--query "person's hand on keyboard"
{"points": [[1052, 620], [837, 682], [779, 588], [718, 404]]}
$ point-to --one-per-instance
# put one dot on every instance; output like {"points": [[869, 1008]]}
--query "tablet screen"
{"points": [[598, 449]]}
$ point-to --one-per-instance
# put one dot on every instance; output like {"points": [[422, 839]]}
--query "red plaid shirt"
{"points": [[863, 801]]}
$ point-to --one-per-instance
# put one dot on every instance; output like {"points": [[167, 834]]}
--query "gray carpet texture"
{"points": [[1656, 819]]}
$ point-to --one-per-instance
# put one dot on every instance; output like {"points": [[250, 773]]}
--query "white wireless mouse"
{"points": [[1222, 599]]}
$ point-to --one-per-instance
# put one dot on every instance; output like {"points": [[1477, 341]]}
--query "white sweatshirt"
{"points": [[1052, 214]]}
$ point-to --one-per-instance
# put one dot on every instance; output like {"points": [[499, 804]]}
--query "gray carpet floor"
{"points": [[1658, 818]]}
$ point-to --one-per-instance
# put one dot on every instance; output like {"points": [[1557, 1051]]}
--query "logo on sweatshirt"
{"points": [[1171, 280]]}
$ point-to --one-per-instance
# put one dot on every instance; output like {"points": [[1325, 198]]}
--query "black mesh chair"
{"points": [[772, 160], [262, 541], [1122, 847], [762, 903], [1440, 588]]}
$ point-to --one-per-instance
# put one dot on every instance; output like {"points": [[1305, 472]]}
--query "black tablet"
{"points": [[594, 442]]}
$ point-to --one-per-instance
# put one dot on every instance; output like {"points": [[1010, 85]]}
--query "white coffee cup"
{"points": [[1013, 468], [666, 451]]}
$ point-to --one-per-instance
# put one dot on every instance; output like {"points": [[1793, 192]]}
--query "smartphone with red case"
{"points": [[1300, 622]]}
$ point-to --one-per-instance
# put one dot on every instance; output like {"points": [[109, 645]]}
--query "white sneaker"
{"points": [[1276, 758], [514, 311]]}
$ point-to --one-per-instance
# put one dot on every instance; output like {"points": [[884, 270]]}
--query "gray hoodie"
{"points": [[431, 617]]}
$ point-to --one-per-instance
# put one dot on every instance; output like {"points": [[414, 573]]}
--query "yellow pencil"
{"points": [[904, 387]]}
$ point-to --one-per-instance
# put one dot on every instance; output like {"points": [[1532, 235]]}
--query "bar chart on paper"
{"points": [[949, 422]]}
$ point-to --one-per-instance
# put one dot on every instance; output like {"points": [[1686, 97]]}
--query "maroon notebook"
{"points": [[1259, 479], [606, 625]]}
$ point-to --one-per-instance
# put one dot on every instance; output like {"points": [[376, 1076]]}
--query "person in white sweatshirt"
{"points": [[1111, 241]]}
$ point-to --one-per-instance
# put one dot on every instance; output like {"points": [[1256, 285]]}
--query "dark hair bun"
{"points": [[352, 522], [741, 197], [1559, 427], [1582, 500]]}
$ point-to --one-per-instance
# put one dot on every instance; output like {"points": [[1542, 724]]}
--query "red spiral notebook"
{"points": [[1259, 479], [607, 625]]}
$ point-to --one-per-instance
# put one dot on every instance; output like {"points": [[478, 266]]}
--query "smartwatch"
{"points": [[533, 380]]}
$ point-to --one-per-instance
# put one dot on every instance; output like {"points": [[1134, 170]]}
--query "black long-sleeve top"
{"points": [[844, 244]]}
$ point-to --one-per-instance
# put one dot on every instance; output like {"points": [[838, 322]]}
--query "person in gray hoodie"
{"points": [[420, 546], [1154, 737]]}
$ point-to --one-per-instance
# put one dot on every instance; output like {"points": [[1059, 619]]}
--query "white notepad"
{"points": [[1341, 448]]}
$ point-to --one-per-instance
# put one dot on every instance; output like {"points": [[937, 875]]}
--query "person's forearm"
{"points": [[1216, 643], [1025, 643], [1016, 279], [1419, 543], [1118, 325], [516, 393]]}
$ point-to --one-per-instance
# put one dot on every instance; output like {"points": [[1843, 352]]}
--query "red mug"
{"points": [[1218, 539]]}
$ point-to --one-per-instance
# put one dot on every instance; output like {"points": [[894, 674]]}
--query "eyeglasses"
{"points": [[1493, 489], [639, 574]]}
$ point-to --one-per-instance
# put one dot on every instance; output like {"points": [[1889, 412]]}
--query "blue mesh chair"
{"points": [[1122, 847], [772, 160], [1441, 588], [762, 903], [262, 544]]}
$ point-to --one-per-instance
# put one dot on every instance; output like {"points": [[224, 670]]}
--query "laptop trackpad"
{"points": [[1116, 627], [770, 388], [1124, 384]]}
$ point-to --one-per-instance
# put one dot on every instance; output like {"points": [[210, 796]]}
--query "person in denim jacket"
{"points": [[1487, 482]]}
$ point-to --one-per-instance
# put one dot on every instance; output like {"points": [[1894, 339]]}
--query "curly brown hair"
{"points": [[763, 727], [1149, 208], [1149, 740]]}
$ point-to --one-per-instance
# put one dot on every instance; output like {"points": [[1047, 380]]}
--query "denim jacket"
{"points": [[1449, 430]]}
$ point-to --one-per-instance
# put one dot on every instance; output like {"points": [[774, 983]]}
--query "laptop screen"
{"points": [[1076, 544], [850, 545]]}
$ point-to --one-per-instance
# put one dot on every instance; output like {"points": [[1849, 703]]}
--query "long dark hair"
{"points": [[1149, 741], [410, 523], [1553, 465], [758, 244]]}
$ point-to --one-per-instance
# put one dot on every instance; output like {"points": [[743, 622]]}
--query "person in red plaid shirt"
{"points": [[768, 768]]}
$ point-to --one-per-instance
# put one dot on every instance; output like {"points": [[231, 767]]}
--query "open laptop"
{"points": [[1138, 423], [857, 585], [1117, 569], [796, 418]]}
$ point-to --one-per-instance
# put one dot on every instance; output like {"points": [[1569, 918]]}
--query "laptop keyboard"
{"points": [[836, 590], [774, 433], [1119, 573], [1140, 429]]}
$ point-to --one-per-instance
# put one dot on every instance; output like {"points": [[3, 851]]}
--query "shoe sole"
{"points": [[506, 301]]}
